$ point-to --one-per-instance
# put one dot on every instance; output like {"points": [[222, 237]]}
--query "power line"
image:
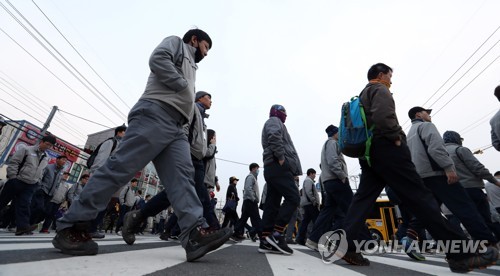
{"points": [[20, 110], [477, 122], [80, 55], [458, 93], [235, 162], [21, 100], [23, 88], [482, 149], [83, 118], [53, 74], [69, 132], [36, 106], [107, 102], [463, 64], [40, 136], [465, 73]]}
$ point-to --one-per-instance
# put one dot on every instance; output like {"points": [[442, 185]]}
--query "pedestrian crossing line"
{"points": [[121, 263], [425, 267], [398, 263], [296, 265], [48, 244], [152, 256], [310, 261]]}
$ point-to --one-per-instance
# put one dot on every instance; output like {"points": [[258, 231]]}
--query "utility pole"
{"points": [[47, 123]]}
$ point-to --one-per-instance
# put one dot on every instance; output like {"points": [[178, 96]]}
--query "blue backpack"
{"points": [[354, 136]]}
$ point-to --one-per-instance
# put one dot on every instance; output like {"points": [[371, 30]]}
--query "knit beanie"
{"points": [[331, 130]]}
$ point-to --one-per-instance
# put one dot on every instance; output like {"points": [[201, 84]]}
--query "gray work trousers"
{"points": [[154, 133]]}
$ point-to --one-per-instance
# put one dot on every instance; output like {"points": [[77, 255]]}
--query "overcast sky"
{"points": [[310, 56]]}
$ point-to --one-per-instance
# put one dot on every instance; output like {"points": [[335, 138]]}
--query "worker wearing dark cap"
{"points": [[437, 170]]}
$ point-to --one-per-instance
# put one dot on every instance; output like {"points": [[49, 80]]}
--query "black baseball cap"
{"points": [[414, 110]]}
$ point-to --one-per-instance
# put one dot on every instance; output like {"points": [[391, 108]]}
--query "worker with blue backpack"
{"points": [[391, 165]]}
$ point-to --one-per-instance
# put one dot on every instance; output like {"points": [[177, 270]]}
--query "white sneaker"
{"points": [[119, 233]]}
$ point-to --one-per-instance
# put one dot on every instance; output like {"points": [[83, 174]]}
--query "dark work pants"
{"points": [[483, 207], [336, 203], [201, 190], [123, 210], [97, 221], [250, 210], [155, 205], [160, 201], [51, 214], [460, 204], [310, 216], [280, 184], [39, 206], [20, 193], [230, 218], [392, 166]]}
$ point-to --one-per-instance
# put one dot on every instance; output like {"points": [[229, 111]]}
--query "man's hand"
{"points": [[452, 177], [217, 187], [281, 162], [397, 143]]}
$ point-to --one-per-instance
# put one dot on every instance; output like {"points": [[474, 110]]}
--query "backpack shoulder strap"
{"points": [[21, 164], [115, 142], [458, 154]]}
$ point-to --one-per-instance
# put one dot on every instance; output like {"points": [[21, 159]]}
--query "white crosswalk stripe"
{"points": [[34, 255]]}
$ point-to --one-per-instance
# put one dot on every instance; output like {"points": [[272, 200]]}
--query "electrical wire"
{"points": [[53, 74], [22, 88], [10, 120], [99, 95], [79, 54], [478, 122], [463, 64], [460, 67], [34, 107], [21, 111], [459, 92], [234, 162], [83, 118]]}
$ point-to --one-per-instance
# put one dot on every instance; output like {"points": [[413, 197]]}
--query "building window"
{"points": [[75, 173]]}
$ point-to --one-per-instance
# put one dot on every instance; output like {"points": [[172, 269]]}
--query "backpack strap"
{"points": [[21, 164], [434, 165], [125, 195], [458, 154], [115, 142]]}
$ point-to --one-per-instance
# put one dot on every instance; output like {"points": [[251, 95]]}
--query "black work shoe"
{"points": [[479, 260], [278, 241], [97, 235], [75, 241], [253, 237], [131, 224], [202, 241], [26, 231], [356, 259], [165, 235], [266, 247], [22, 232], [290, 241]]}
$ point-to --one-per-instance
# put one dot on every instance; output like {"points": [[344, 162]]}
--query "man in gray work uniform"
{"points": [[155, 132]]}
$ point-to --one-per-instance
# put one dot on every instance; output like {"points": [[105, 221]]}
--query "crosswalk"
{"points": [[34, 255]]}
